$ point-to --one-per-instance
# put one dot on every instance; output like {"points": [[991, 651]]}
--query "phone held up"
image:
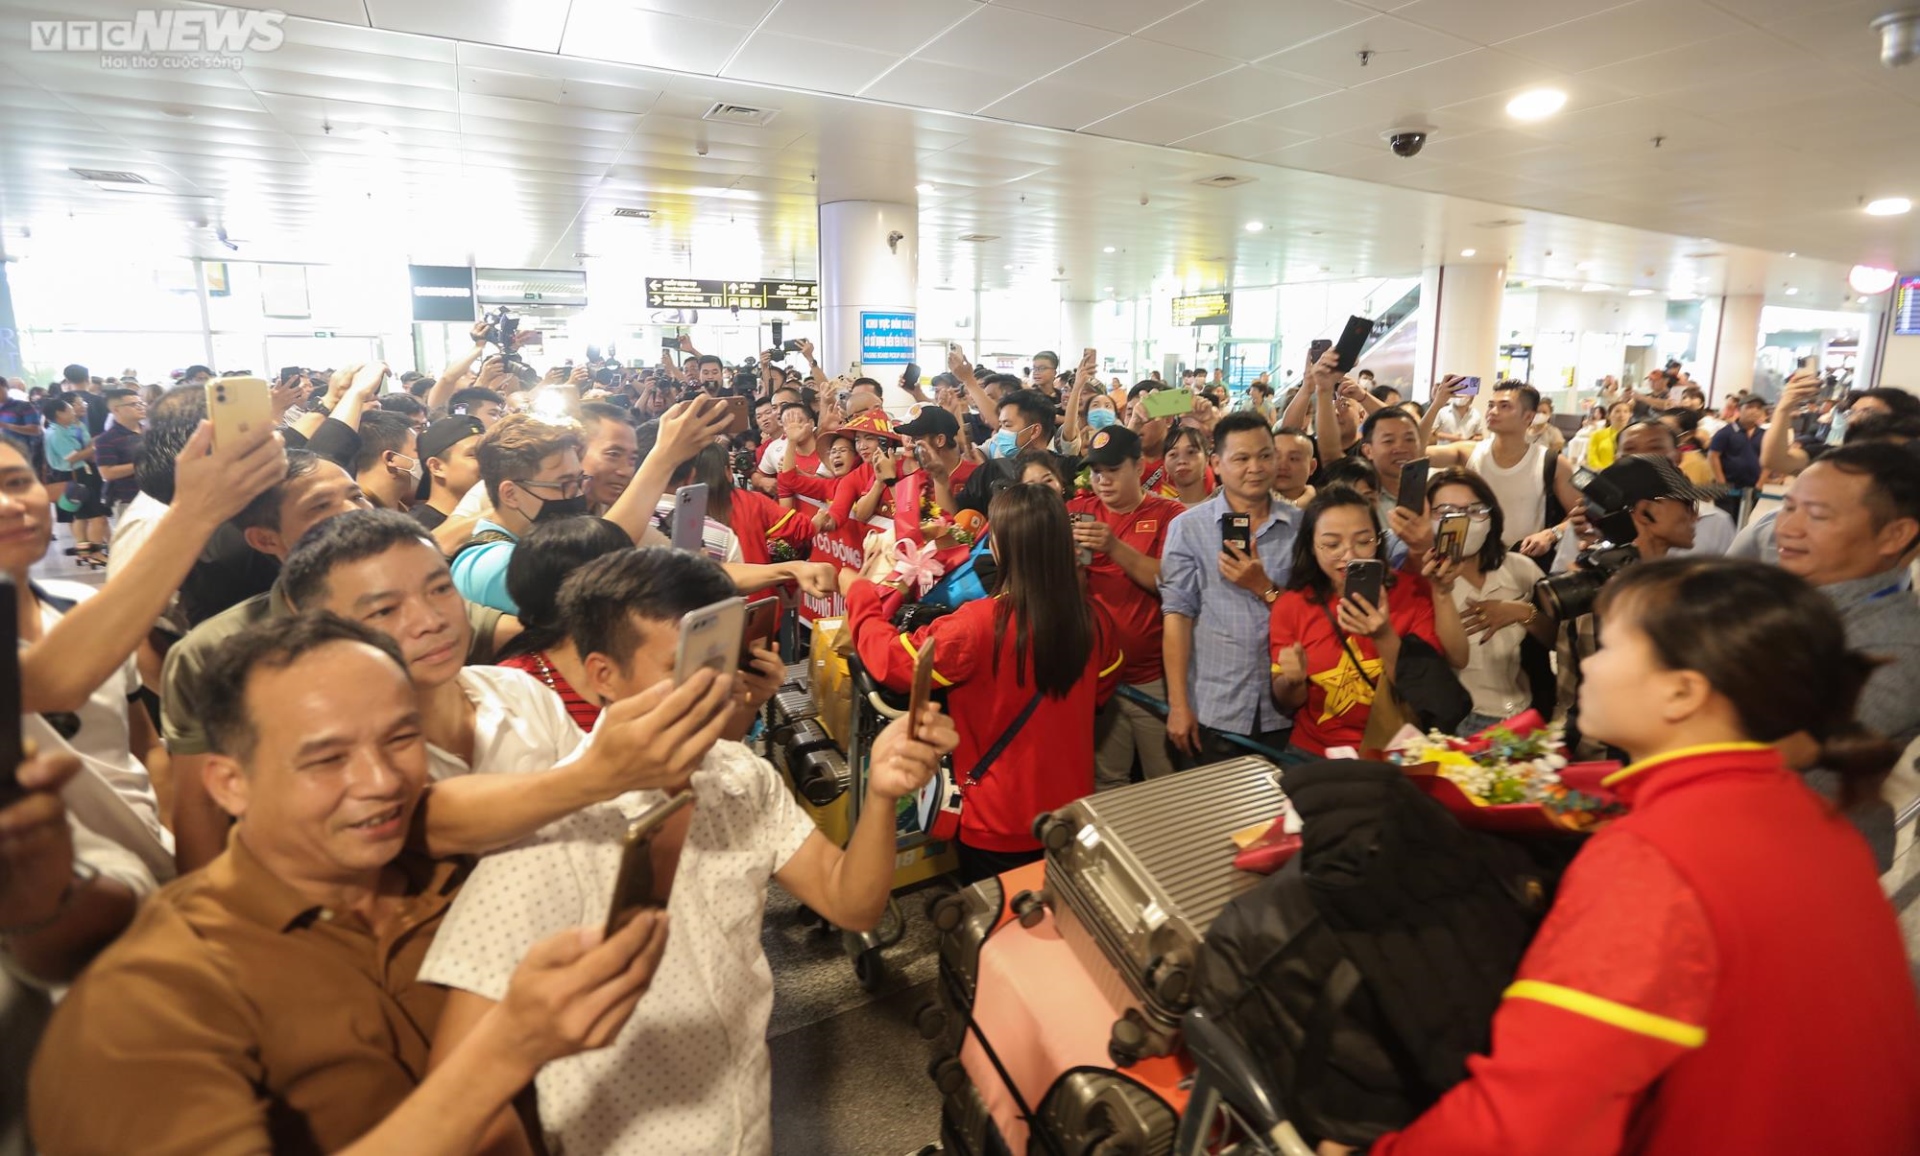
{"points": [[1353, 340], [1413, 485], [641, 884], [1366, 578], [763, 625], [1450, 537], [710, 637], [690, 518], [922, 688], [1237, 530], [237, 405], [12, 748], [1083, 554], [1466, 387]]}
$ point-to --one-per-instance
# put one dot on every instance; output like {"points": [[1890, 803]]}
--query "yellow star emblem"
{"points": [[1347, 687]]}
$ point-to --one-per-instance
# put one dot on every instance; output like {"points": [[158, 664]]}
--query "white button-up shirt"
{"points": [[519, 725], [689, 1073]]}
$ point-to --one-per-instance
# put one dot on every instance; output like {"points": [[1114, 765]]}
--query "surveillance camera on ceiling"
{"points": [[1408, 141], [1899, 37]]}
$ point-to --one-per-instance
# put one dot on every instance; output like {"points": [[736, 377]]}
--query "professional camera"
{"points": [[1570, 595], [501, 328], [1407, 142]]}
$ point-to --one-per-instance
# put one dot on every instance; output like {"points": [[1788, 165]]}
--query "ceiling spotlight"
{"points": [[1109, 288], [1536, 104], [1899, 37], [1255, 226], [1870, 279], [923, 190], [1793, 254], [1108, 249], [1888, 207], [1792, 292], [1468, 252], [1008, 268], [1639, 292]]}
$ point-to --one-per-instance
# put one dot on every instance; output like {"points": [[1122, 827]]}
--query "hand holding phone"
{"points": [[710, 637], [1450, 538], [1353, 340], [645, 877], [689, 531], [238, 405], [1413, 486], [922, 688], [1237, 530], [1366, 578]]}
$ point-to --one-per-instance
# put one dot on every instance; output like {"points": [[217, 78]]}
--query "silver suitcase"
{"points": [[1135, 876]]}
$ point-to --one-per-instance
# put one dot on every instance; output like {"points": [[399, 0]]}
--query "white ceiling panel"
{"points": [[1248, 90], [530, 24], [1249, 30], [1153, 122], [1389, 45], [897, 27], [924, 84], [604, 31], [1623, 33], [1055, 105], [1127, 16], [1018, 43], [746, 13], [777, 58], [1247, 138], [1134, 70], [1492, 21]]}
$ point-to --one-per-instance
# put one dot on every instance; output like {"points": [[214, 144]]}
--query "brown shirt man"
{"points": [[235, 1017]]}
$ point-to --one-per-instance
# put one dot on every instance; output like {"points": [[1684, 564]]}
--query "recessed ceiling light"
{"points": [[1702, 279], [1468, 252], [1870, 279], [923, 190], [1109, 288], [1888, 207], [1584, 266], [1108, 249], [1255, 226], [1792, 292], [1793, 254], [1536, 104], [1008, 268], [1639, 292]]}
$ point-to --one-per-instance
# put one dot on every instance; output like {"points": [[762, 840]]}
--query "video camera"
{"points": [[1572, 594], [501, 328]]}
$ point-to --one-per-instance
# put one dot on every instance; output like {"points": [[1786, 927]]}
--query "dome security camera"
{"points": [[1899, 37], [1406, 142]]}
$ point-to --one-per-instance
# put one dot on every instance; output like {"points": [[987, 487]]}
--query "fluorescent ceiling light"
{"points": [[1536, 104], [1639, 292], [1792, 292], [1468, 252], [1888, 207], [1108, 249], [923, 190], [1870, 279], [1255, 226]]}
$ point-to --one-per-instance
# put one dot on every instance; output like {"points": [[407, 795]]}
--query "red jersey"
{"points": [[1047, 765], [794, 484], [912, 504], [850, 490], [1720, 972], [1339, 696], [1134, 610], [759, 521], [583, 713]]}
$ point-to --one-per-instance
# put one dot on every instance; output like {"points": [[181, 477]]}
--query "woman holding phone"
{"points": [[1493, 595], [1025, 670], [1720, 970], [1331, 642]]}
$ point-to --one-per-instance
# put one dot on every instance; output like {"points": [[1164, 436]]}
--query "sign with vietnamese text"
{"points": [[767, 296], [886, 338], [1202, 309]]}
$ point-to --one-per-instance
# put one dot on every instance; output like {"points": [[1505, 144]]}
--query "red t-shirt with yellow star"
{"points": [[1339, 696]]}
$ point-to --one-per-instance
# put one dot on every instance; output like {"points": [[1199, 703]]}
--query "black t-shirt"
{"points": [[427, 516], [228, 573]]}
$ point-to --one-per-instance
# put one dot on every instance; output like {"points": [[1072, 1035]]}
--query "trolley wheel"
{"points": [[930, 1020], [1031, 907], [870, 970], [948, 1076], [946, 911]]}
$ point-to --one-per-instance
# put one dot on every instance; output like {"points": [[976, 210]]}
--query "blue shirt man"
{"points": [[1217, 602]]}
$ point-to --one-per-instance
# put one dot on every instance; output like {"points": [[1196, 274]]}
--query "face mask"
{"points": [[1462, 402], [554, 509], [1101, 418], [416, 471], [1476, 538], [1003, 444]]}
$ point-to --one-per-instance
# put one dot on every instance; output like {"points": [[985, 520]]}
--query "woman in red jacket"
{"points": [[1032, 656], [1720, 971]]}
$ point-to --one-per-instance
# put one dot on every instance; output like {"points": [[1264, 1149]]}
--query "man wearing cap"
{"points": [[447, 449], [1124, 529], [1662, 501], [932, 491], [867, 491]]}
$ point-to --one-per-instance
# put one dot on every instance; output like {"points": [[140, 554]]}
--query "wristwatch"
{"points": [[1271, 596]]}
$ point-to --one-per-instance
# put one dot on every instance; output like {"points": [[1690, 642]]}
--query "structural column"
{"points": [[869, 275], [1076, 332], [1463, 302], [1736, 345]]}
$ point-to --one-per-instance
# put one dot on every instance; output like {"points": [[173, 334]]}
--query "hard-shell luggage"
{"points": [[1134, 876], [1019, 1030]]}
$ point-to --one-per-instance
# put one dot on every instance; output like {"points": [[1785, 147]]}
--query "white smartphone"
{"points": [[690, 518], [710, 636], [237, 405]]}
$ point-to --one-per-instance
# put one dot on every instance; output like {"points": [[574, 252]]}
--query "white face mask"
{"points": [[1476, 538], [1462, 402]]}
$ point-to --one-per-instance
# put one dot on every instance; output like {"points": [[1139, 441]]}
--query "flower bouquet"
{"points": [[1510, 777]]}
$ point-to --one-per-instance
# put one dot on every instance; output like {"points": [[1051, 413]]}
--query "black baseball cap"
{"points": [[929, 422], [1112, 446], [437, 439], [1646, 477]]}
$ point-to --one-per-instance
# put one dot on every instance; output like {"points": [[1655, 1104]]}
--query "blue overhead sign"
{"points": [[886, 338]]}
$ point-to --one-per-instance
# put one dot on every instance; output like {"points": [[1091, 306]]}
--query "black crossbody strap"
{"points": [[1005, 740], [1347, 646]]}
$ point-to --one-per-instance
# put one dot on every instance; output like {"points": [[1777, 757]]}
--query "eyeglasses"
{"points": [[1479, 511], [1357, 542], [567, 487]]}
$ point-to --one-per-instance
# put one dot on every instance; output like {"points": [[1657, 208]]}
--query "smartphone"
{"points": [[1466, 387], [1317, 349], [12, 749], [690, 518], [1237, 530], [237, 405], [1166, 403], [1413, 485], [289, 372], [922, 688], [1450, 539], [792, 345], [779, 333], [1352, 340], [636, 888], [763, 625], [710, 637], [854, 370], [1366, 577], [739, 415], [912, 376], [1083, 554]]}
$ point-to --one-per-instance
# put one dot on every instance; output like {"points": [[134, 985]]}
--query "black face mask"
{"points": [[556, 508]]}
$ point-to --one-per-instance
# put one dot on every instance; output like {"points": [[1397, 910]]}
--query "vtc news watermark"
{"points": [[165, 38]]}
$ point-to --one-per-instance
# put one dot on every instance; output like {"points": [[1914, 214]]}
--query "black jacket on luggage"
{"points": [[1364, 973]]}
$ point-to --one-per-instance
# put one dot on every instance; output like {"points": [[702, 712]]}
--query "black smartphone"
{"points": [[637, 887], [12, 749], [1366, 578], [1413, 485], [289, 372], [911, 377], [1237, 530], [670, 344], [1318, 349], [1082, 553], [792, 345], [1352, 340]]}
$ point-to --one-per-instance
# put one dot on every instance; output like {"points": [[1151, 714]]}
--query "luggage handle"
{"points": [[1236, 1079]]}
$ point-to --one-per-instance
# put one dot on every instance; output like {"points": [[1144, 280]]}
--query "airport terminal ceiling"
{"points": [[1703, 141]]}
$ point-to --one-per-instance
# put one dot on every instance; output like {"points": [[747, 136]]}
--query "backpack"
{"points": [[966, 582], [1366, 971]]}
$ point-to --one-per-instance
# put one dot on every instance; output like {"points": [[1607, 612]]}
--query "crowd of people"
{"points": [[327, 781]]}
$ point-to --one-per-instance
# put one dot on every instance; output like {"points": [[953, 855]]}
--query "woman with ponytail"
{"points": [[1720, 971]]}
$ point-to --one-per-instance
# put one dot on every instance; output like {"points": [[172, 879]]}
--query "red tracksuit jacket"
{"points": [[1720, 973]]}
